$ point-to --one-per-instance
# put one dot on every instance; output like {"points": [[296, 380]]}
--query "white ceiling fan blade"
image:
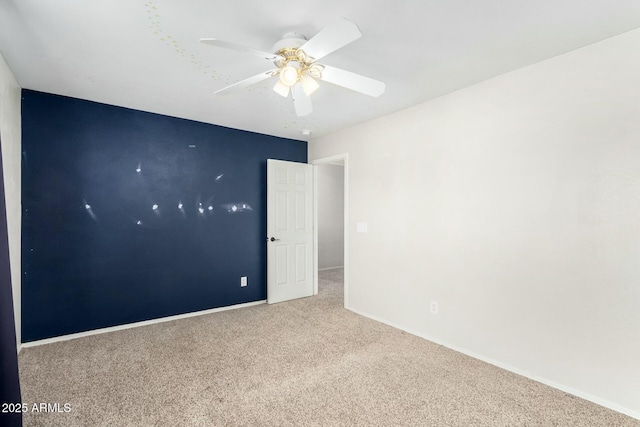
{"points": [[240, 48], [246, 82], [353, 81], [331, 38], [301, 101]]}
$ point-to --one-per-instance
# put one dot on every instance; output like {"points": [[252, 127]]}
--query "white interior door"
{"points": [[289, 230]]}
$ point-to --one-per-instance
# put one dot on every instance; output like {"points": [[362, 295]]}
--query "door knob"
{"points": [[273, 239]]}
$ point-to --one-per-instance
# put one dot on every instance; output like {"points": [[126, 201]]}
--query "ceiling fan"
{"points": [[295, 59]]}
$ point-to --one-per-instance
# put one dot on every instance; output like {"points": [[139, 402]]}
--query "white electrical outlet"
{"points": [[434, 307], [243, 281]]}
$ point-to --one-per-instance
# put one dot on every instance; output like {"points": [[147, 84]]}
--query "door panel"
{"points": [[301, 262], [301, 211]]}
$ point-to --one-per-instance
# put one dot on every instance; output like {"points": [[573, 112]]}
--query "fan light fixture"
{"points": [[295, 66]]}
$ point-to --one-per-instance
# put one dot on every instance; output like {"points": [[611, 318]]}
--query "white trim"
{"points": [[331, 268], [338, 159], [534, 377], [137, 324], [315, 229], [346, 229]]}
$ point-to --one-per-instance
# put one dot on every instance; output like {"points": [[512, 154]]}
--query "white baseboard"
{"points": [[137, 324], [586, 396], [330, 268]]}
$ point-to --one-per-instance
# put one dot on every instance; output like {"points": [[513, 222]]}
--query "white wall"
{"points": [[330, 216], [514, 203], [10, 127]]}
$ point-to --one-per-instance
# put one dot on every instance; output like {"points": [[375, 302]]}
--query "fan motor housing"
{"points": [[290, 41]]}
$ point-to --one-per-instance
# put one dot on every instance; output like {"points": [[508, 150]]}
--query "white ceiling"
{"points": [[145, 54]]}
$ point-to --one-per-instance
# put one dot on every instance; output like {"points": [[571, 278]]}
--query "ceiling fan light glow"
{"points": [[289, 76], [309, 85], [281, 89]]}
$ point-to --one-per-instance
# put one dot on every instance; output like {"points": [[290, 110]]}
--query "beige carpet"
{"points": [[308, 362]]}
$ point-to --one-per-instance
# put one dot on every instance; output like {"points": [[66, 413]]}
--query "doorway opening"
{"points": [[331, 216]]}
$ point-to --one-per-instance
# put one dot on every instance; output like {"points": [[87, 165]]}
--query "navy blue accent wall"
{"points": [[9, 379], [130, 216]]}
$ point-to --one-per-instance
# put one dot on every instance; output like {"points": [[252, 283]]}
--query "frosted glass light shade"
{"points": [[289, 76], [281, 89], [309, 85]]}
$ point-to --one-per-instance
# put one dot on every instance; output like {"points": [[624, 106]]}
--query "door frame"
{"points": [[342, 159]]}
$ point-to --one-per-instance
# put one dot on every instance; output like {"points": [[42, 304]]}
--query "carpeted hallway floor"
{"points": [[307, 362]]}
